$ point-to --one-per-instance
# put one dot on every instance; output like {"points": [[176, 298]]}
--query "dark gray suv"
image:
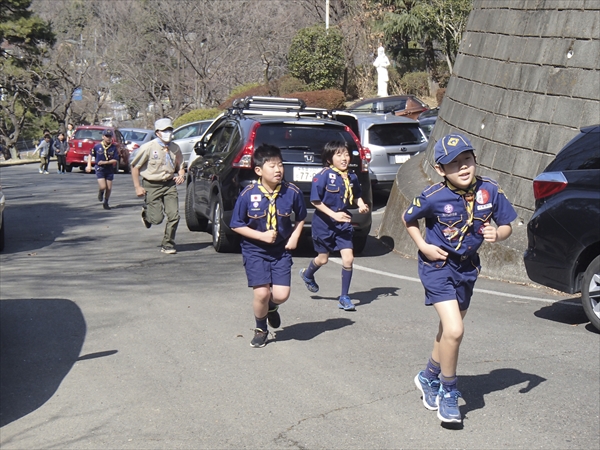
{"points": [[224, 165]]}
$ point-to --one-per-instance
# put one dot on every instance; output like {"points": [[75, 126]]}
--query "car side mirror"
{"points": [[200, 148]]}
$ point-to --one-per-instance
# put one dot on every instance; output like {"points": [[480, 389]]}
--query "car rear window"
{"points": [[302, 137], [581, 154], [381, 106], [395, 134], [95, 135], [134, 135]]}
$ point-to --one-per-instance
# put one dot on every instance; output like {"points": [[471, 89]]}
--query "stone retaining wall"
{"points": [[526, 78]]}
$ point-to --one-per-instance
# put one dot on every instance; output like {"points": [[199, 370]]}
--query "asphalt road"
{"points": [[108, 343]]}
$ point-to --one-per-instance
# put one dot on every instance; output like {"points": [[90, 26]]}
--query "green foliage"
{"points": [[415, 83], [317, 57], [288, 84], [195, 115]]}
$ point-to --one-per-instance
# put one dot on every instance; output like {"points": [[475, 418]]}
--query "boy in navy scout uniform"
{"points": [[457, 215], [262, 215], [333, 191], [160, 164], [106, 156]]}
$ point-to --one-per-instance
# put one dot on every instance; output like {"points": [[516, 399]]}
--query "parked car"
{"points": [[400, 105], [392, 140], [84, 139], [563, 250], [2, 204], [135, 137], [427, 120], [187, 135], [224, 165]]}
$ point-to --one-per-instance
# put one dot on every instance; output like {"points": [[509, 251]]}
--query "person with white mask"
{"points": [[160, 165]]}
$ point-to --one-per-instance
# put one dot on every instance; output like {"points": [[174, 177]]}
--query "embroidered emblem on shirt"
{"points": [[255, 198], [486, 206], [448, 208], [154, 154], [450, 233], [332, 176]]}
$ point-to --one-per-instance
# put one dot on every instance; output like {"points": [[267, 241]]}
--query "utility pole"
{"points": [[327, 14]]}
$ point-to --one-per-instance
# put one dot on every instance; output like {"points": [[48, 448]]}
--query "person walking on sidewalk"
{"points": [[160, 165], [106, 156], [44, 149], [61, 147]]}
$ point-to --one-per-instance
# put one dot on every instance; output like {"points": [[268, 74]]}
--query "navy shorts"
{"points": [[106, 174], [267, 269], [453, 279]]}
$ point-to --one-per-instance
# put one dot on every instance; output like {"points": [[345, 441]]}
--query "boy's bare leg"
{"points": [[449, 337]]}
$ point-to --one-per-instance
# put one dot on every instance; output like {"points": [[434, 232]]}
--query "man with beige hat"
{"points": [[160, 164]]}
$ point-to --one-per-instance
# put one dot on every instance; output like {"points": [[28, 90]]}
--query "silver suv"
{"points": [[392, 140]]}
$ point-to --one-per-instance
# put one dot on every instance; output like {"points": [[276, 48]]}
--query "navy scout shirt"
{"points": [[328, 188], [251, 211], [99, 154], [445, 213]]}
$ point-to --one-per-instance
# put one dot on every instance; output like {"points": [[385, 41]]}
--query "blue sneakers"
{"points": [[345, 303], [448, 406], [429, 390], [310, 283]]}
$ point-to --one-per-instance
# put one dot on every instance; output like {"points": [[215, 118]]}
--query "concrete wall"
{"points": [[527, 77]]}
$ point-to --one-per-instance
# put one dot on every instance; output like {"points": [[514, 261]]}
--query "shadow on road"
{"points": [[307, 331], [365, 297], [565, 311], [475, 387], [40, 340]]}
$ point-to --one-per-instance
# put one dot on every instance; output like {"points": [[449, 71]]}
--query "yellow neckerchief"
{"points": [[348, 195], [468, 196], [272, 212], [105, 148]]}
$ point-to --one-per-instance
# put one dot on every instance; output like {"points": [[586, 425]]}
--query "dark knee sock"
{"points": [[261, 323], [311, 269], [432, 371], [449, 383], [346, 279], [273, 306]]}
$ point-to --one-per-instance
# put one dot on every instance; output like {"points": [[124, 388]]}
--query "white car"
{"points": [[187, 135]]}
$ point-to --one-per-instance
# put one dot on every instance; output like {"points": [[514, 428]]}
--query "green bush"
{"points": [[195, 115], [415, 83], [288, 83]]}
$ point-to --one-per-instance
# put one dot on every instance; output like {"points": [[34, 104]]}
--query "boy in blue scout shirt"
{"points": [[106, 156], [262, 215], [333, 191], [457, 215]]}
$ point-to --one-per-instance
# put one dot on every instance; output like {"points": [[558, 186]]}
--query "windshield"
{"points": [[92, 134]]}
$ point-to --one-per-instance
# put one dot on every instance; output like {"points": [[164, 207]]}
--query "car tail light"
{"points": [[243, 160], [364, 153], [548, 183]]}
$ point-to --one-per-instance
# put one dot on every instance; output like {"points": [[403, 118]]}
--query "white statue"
{"points": [[382, 62]]}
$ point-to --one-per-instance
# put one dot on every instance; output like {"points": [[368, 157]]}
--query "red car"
{"points": [[85, 137]]}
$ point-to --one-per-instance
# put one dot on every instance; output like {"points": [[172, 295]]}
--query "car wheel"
{"points": [[193, 222], [359, 243], [590, 292], [221, 241], [68, 167]]}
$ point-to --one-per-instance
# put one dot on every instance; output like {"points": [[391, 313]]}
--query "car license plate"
{"points": [[399, 159], [305, 173], [85, 158]]}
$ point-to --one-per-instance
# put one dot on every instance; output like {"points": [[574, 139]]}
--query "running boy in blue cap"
{"points": [[106, 156], [457, 215], [333, 191], [263, 216]]}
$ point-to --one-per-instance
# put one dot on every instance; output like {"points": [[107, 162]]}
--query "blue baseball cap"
{"points": [[450, 146], [108, 133]]}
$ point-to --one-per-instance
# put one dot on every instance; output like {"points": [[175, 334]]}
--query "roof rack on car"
{"points": [[275, 106]]}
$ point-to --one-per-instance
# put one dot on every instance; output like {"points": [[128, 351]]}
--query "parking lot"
{"points": [[107, 343]]}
